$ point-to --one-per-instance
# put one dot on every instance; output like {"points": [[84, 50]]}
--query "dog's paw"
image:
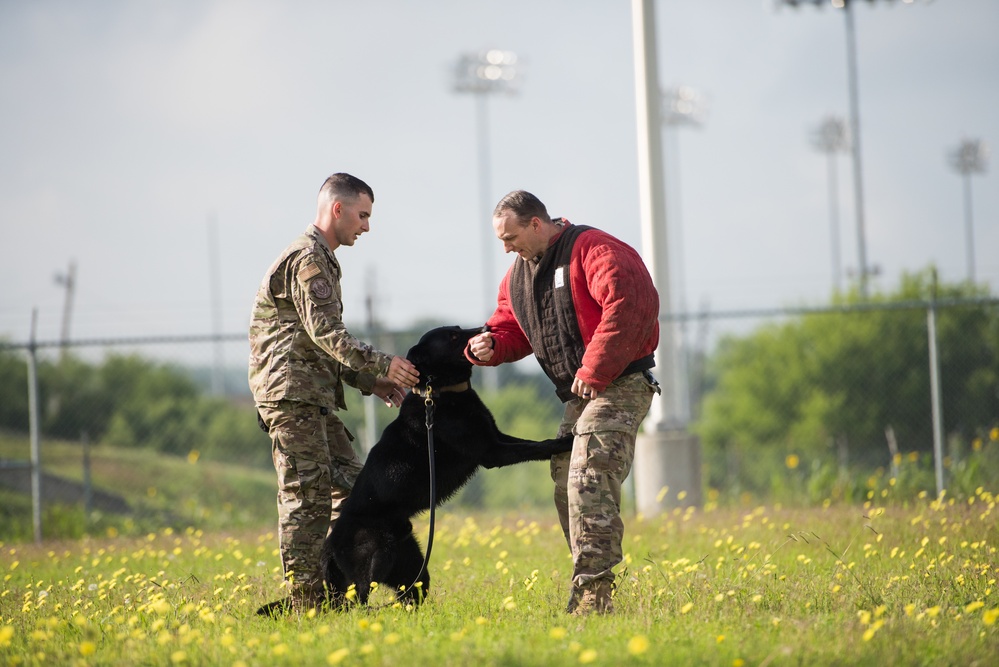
{"points": [[563, 444]]}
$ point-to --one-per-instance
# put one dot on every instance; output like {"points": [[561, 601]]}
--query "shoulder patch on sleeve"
{"points": [[320, 289]]}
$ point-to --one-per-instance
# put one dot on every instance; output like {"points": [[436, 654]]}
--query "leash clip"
{"points": [[429, 402]]}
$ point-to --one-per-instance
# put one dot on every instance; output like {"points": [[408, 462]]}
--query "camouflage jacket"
{"points": [[299, 347]]}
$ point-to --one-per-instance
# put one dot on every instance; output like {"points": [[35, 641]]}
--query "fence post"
{"points": [[88, 493], [36, 459], [937, 410]]}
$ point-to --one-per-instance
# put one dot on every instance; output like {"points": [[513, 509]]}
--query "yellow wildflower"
{"points": [[337, 656], [638, 644]]}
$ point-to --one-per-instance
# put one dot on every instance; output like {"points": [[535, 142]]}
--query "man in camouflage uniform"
{"points": [[583, 302], [300, 356]]}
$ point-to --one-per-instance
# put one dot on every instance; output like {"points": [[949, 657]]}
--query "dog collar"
{"points": [[430, 391]]}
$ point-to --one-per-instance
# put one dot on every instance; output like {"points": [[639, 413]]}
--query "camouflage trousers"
{"points": [[588, 479], [316, 469]]}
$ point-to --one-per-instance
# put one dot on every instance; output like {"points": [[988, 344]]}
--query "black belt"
{"points": [[639, 365]]}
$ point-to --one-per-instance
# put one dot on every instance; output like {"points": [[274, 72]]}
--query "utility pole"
{"points": [[667, 458], [33, 429], [215, 283], [68, 281]]}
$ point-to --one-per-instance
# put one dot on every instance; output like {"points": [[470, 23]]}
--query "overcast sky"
{"points": [[127, 126]]}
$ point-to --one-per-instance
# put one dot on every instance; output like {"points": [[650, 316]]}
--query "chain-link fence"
{"points": [[797, 403], [163, 429]]}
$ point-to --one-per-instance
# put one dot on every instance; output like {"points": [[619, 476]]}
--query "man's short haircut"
{"points": [[523, 205], [345, 186]]}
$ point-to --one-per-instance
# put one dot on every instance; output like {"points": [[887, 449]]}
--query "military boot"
{"points": [[573, 600], [594, 598]]}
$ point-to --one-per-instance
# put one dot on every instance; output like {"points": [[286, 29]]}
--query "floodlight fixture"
{"points": [[970, 157], [832, 135], [684, 105], [490, 71]]}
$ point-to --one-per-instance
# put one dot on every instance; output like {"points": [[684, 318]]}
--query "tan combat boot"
{"points": [[594, 598], [573, 600]]}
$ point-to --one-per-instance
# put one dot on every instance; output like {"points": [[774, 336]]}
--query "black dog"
{"points": [[373, 541]]}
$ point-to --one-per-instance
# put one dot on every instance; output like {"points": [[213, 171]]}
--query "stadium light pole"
{"points": [[970, 157], [832, 137], [667, 469], [682, 106], [864, 271], [482, 74]]}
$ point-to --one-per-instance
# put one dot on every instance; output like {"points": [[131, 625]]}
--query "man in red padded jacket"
{"points": [[583, 302]]}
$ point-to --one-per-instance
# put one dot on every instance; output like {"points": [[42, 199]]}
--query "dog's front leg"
{"points": [[511, 453]]}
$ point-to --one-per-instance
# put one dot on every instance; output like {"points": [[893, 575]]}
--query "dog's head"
{"points": [[440, 356]]}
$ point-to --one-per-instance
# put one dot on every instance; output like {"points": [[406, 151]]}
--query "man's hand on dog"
{"points": [[583, 390], [481, 346], [402, 372], [388, 392]]}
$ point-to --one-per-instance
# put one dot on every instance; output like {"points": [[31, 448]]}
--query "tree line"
{"points": [[841, 393]]}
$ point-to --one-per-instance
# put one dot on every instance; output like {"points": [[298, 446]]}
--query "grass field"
{"points": [[161, 490], [900, 583]]}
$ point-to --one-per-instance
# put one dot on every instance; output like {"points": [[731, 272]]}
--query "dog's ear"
{"points": [[417, 355]]}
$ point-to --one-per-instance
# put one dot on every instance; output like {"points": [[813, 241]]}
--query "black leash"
{"points": [[429, 402]]}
